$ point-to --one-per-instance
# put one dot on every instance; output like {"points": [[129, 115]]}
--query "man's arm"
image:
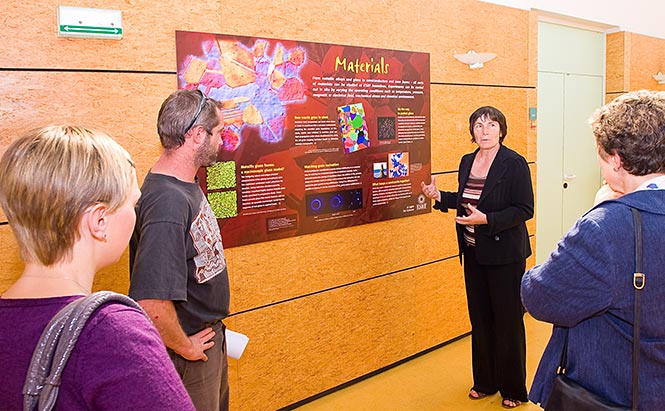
{"points": [[163, 315]]}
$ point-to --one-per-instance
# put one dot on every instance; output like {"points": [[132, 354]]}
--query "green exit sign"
{"points": [[88, 22]]}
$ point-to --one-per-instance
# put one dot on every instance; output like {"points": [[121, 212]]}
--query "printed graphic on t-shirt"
{"points": [[210, 260]]}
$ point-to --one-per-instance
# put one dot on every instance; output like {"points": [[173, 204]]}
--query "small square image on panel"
{"points": [[224, 204], [381, 170], [221, 175], [385, 128], [353, 127], [398, 164]]}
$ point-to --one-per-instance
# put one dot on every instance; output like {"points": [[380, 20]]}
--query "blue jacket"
{"points": [[506, 199], [586, 284]]}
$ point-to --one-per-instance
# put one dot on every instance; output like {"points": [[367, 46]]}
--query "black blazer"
{"points": [[506, 199]]}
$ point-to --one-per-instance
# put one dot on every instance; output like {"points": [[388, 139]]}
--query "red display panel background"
{"points": [[293, 173]]}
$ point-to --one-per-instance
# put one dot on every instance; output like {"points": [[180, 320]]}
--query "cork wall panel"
{"points": [[439, 28], [440, 304], [454, 27], [148, 42], [531, 261], [616, 61], [369, 295], [632, 60], [114, 277], [451, 108], [10, 259], [398, 25], [647, 57], [123, 105], [611, 96], [275, 271], [532, 40], [305, 346]]}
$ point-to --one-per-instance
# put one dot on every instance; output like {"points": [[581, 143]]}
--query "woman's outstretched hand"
{"points": [[430, 190]]}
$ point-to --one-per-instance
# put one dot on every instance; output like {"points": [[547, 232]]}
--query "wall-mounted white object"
{"points": [[473, 59], [660, 77], [91, 23]]}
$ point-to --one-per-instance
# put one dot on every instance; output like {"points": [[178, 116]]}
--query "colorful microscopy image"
{"points": [[353, 127], [385, 128], [221, 175], [398, 164], [254, 83], [380, 170], [334, 201], [224, 204]]}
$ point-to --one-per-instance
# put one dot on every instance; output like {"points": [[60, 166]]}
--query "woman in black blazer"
{"points": [[493, 200]]}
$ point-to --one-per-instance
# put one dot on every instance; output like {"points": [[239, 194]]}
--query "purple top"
{"points": [[118, 363]]}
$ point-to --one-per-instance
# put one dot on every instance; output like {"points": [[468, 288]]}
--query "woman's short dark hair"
{"points": [[633, 126], [493, 114]]}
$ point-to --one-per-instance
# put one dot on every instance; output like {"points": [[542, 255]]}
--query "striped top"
{"points": [[471, 195]]}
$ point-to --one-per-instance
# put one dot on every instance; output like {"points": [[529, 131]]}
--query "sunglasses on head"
{"points": [[198, 112]]}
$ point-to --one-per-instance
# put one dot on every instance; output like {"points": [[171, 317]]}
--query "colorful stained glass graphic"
{"points": [[224, 204], [253, 85], [221, 175], [398, 164], [353, 127]]}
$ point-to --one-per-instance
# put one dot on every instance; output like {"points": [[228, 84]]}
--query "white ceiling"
{"points": [[637, 16]]}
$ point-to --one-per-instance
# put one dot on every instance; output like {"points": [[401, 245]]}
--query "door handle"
{"points": [[569, 177]]}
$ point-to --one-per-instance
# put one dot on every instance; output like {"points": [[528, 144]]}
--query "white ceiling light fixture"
{"points": [[660, 77], [473, 59]]}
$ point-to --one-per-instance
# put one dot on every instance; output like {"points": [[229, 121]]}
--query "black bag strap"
{"points": [[55, 346], [638, 285]]}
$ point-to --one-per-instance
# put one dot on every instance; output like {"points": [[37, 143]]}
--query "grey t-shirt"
{"points": [[176, 252]]}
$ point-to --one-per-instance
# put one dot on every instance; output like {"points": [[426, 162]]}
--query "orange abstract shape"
{"points": [[297, 57], [292, 89], [260, 48], [278, 58], [194, 70], [212, 79], [231, 51], [277, 79], [252, 115], [236, 75]]}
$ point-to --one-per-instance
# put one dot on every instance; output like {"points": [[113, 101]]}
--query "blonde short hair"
{"points": [[50, 176]]}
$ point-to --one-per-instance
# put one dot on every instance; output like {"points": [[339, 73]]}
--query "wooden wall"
{"points": [[631, 61], [318, 315]]}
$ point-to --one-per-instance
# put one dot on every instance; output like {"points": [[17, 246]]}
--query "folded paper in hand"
{"points": [[235, 343]]}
